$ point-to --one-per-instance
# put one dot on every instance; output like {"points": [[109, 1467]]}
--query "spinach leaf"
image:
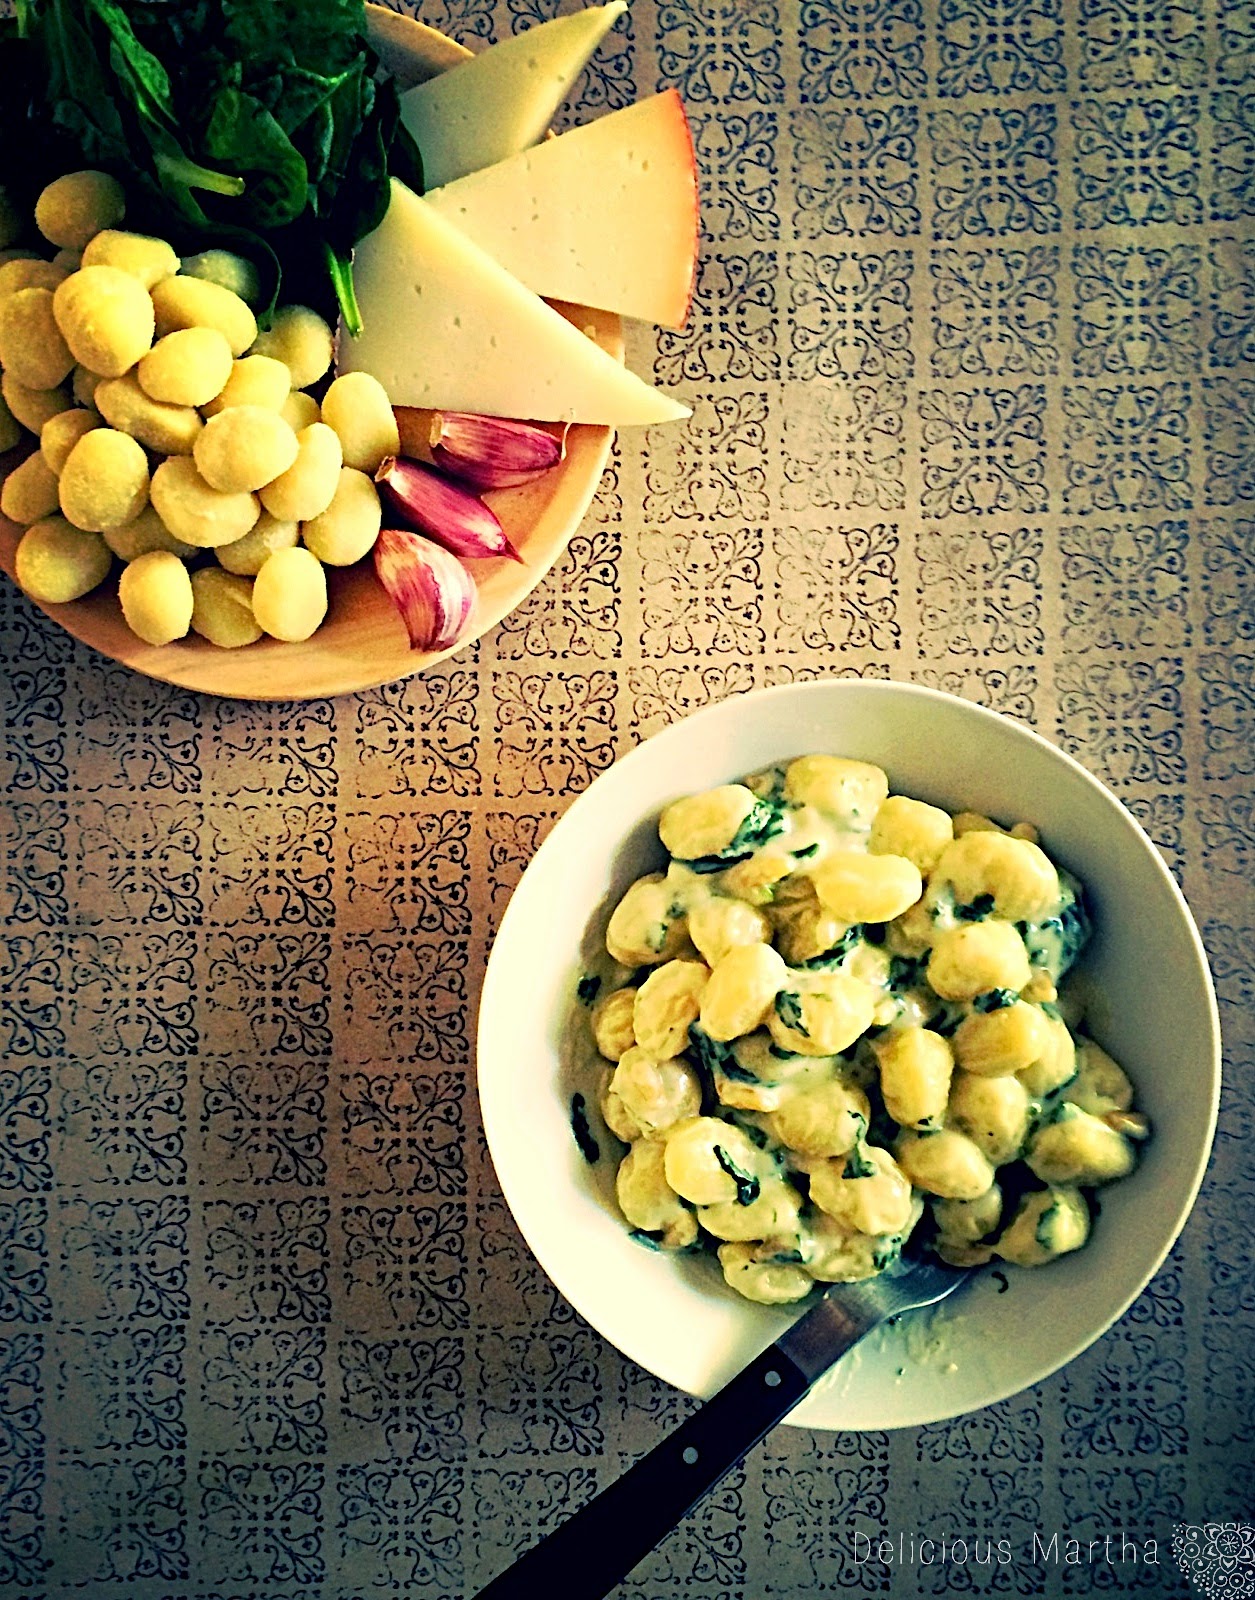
{"points": [[946, 1019], [907, 972], [586, 989], [652, 1239], [238, 123], [1044, 1232], [241, 131], [788, 1007], [1055, 942], [764, 822], [589, 1148], [995, 1000], [848, 941], [713, 1056], [886, 1252], [748, 1187], [857, 1164]]}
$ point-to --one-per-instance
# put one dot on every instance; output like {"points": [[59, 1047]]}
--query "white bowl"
{"points": [[1153, 1008]]}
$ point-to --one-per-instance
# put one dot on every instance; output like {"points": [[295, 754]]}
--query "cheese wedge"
{"points": [[605, 215], [445, 326], [502, 100]]}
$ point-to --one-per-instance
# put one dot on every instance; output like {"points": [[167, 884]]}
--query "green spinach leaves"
{"points": [[260, 127]]}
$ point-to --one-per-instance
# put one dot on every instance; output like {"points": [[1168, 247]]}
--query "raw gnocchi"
{"points": [[834, 1013], [142, 375]]}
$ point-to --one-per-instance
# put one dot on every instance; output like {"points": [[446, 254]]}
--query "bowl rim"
{"points": [[564, 1275]]}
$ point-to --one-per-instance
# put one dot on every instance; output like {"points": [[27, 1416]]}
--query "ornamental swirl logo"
{"points": [[1218, 1558]]}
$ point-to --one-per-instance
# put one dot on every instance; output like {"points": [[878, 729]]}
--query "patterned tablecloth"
{"points": [[972, 365]]}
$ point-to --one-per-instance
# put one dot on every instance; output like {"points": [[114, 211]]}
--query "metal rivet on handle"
{"points": [[689, 1456], [772, 1380]]}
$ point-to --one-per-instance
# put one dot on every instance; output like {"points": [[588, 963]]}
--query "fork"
{"points": [[594, 1549]]}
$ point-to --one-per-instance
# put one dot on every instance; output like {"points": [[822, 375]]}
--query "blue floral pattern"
{"points": [[1126, 45], [856, 170], [848, 449], [1127, 448], [122, 1522], [1149, 606], [836, 589], [705, 590], [123, 1123], [24, 1261], [995, 313], [1136, 310], [124, 1388], [410, 1392], [403, 1134], [731, 326], [1233, 115], [1229, 582], [995, 171], [517, 1506], [409, 1260], [267, 1261], [1230, 448], [1009, 46], [1137, 162], [263, 1524], [850, 315], [397, 1527], [24, 1119], [984, 450], [1228, 700], [125, 1258], [1123, 719], [33, 849], [268, 1382], [736, 155], [860, 49], [718, 469], [583, 617], [1235, 61], [980, 593], [729, 51], [263, 1123], [1232, 263]]}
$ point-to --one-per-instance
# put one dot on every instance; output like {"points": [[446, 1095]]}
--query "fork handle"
{"points": [[594, 1549]]}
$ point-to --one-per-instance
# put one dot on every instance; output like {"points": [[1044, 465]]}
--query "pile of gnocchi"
{"points": [[837, 1015], [173, 434]]}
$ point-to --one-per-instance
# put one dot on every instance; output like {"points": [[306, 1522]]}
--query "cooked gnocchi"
{"points": [[834, 1016]]}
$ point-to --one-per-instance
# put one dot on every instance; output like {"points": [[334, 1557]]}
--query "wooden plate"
{"points": [[363, 641]]}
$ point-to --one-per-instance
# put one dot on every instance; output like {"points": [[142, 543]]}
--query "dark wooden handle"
{"points": [[596, 1548]]}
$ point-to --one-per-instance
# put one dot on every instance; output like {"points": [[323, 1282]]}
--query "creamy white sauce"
{"points": [[766, 865]]}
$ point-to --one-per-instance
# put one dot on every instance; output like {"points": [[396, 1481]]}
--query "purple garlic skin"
{"points": [[492, 452], [429, 586], [430, 503]]}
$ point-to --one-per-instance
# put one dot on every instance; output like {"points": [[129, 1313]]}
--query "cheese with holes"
{"points": [[502, 100], [447, 327], [605, 215]]}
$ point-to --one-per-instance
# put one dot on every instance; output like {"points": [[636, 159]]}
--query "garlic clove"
{"points": [[442, 509], [492, 452], [429, 586]]}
